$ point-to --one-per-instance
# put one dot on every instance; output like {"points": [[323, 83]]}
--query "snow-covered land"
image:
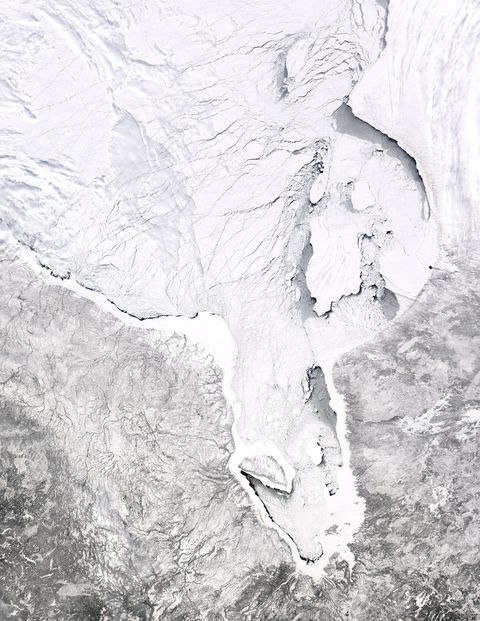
{"points": [[206, 206]]}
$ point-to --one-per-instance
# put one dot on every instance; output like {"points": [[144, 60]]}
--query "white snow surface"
{"points": [[177, 160], [426, 96]]}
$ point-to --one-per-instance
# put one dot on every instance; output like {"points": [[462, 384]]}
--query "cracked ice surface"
{"points": [[427, 102], [164, 156], [194, 167]]}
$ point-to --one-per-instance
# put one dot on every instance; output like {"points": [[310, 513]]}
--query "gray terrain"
{"points": [[117, 502]]}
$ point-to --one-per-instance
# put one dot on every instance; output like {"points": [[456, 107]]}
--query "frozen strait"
{"points": [[239, 374]]}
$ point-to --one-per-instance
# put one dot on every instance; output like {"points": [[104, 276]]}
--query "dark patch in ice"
{"points": [[389, 304]]}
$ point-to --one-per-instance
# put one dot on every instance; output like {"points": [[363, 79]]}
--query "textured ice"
{"points": [[204, 206]]}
